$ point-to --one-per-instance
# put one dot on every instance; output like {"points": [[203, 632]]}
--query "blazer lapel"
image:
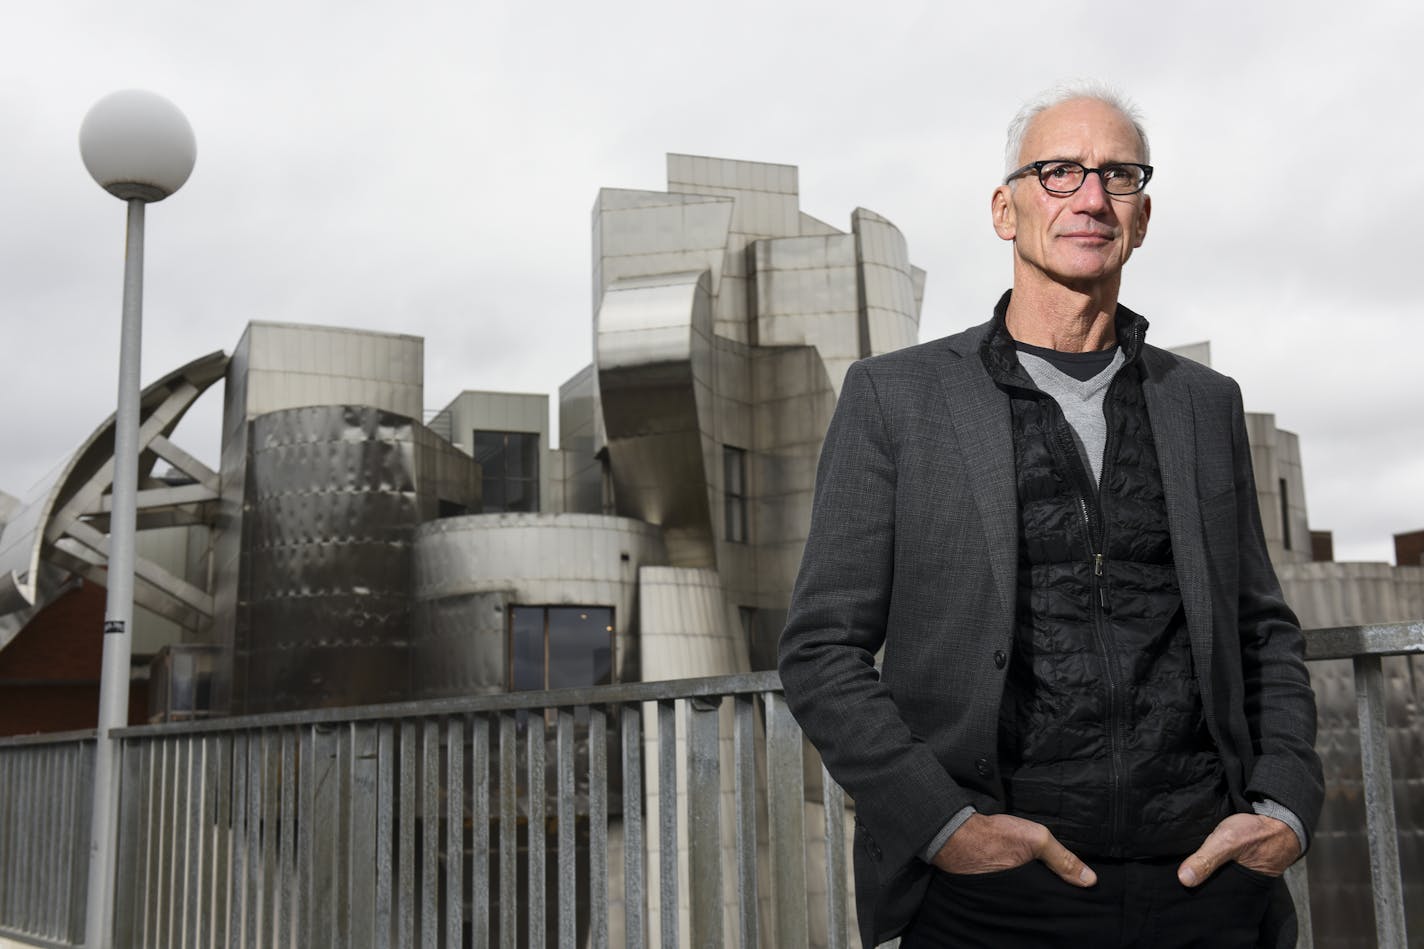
{"points": [[1171, 411], [979, 413]]}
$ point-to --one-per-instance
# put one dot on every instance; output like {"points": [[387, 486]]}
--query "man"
{"points": [[1092, 724]]}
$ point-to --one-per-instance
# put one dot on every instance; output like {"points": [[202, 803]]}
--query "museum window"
{"points": [[509, 463], [1285, 517], [560, 647], [734, 481]]}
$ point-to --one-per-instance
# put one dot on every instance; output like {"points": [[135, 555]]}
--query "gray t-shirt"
{"points": [[1081, 401]]}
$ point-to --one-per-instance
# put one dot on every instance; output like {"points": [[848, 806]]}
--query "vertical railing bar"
{"points": [[23, 793], [704, 819], [339, 821], [64, 809], [28, 844], [46, 905], [385, 833], [38, 922], [598, 827], [159, 849], [193, 888], [287, 876], [255, 877], [405, 866], [34, 844], [1379, 803], [330, 786], [566, 815], [833, 798], [67, 826], [203, 934], [479, 832], [430, 835], [184, 839], [537, 840], [363, 837], [667, 823], [786, 824], [24, 835], [306, 886], [634, 854], [1298, 884], [508, 833], [454, 832], [237, 867], [9, 864], [74, 845], [744, 779], [222, 847], [176, 808], [271, 800], [80, 797]]}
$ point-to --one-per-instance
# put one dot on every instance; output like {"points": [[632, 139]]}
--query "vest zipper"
{"points": [[1096, 543]]}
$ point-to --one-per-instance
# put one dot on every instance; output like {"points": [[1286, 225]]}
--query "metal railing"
{"points": [[1366, 646], [46, 801], [481, 821], [504, 820]]}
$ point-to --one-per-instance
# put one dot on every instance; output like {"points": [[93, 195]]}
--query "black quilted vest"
{"points": [[1101, 732]]}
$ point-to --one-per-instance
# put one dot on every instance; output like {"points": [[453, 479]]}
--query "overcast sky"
{"points": [[429, 169]]}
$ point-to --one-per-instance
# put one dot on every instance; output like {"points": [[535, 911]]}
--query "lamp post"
{"points": [[139, 148]]}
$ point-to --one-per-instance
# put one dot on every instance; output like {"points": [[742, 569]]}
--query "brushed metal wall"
{"points": [[333, 497]]}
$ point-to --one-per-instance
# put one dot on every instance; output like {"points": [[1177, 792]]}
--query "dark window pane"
{"points": [[526, 648], [580, 646], [492, 501], [734, 494], [510, 467], [489, 452], [522, 455], [733, 469]]}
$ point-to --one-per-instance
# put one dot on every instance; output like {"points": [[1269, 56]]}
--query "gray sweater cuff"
{"points": [[956, 822], [1269, 808]]}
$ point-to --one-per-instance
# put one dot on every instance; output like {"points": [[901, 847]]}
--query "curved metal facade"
{"points": [[334, 497], [469, 570]]}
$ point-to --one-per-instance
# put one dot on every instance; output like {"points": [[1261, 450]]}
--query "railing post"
{"points": [[1379, 803], [704, 820], [745, 772], [785, 809]]}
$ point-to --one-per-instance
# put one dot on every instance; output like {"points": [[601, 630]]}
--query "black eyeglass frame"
{"points": [[1037, 168]]}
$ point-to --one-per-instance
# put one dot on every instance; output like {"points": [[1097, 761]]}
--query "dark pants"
{"points": [[1136, 903]]}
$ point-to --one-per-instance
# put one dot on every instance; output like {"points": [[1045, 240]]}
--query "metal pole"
{"points": [[118, 611]]}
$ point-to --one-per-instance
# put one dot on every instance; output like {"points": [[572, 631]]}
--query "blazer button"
{"points": [[1000, 659], [982, 766]]}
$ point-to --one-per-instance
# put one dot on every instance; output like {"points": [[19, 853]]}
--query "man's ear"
{"points": [[1141, 234], [1001, 207]]}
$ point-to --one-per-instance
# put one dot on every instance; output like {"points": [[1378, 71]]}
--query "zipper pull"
{"points": [[1101, 584]]}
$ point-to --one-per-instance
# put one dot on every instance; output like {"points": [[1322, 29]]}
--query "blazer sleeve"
{"points": [[1279, 701], [837, 623]]}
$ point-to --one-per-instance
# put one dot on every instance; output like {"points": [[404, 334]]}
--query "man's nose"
{"points": [[1091, 196]]}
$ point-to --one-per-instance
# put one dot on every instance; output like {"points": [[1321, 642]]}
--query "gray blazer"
{"points": [[913, 549]]}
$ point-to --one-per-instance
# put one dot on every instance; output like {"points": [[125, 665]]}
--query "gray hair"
{"points": [[1066, 92]]}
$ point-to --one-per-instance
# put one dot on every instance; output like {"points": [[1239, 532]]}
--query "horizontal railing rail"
{"points": [[667, 813]]}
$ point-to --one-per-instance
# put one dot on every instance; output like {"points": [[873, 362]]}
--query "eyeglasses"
{"points": [[1066, 177]]}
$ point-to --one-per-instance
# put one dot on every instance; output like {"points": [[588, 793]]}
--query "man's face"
{"points": [[1084, 238]]}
